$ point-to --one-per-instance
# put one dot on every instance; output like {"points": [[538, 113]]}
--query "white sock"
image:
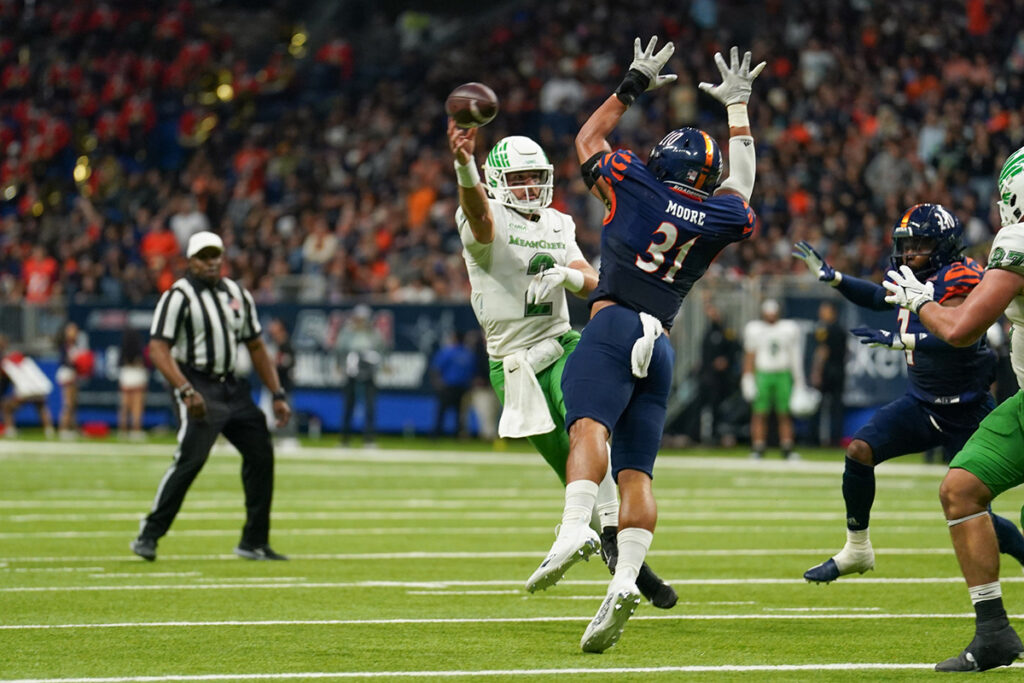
{"points": [[986, 591], [634, 543], [860, 538], [608, 501], [580, 497]]}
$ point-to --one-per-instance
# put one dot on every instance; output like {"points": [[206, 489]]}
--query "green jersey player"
{"points": [[992, 461], [521, 254]]}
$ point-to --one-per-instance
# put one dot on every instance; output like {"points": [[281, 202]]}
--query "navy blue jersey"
{"points": [[656, 241], [940, 373]]}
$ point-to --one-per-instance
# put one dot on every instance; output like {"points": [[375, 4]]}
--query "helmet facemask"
{"points": [[518, 174], [927, 229], [1011, 190]]}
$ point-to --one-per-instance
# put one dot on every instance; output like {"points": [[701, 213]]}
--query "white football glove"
{"points": [[737, 79], [649, 64], [906, 291], [748, 387], [544, 282]]}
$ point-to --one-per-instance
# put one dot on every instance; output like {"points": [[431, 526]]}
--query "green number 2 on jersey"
{"points": [[540, 261]]}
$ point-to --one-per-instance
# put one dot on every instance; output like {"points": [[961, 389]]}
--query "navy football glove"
{"points": [[818, 266], [873, 337]]}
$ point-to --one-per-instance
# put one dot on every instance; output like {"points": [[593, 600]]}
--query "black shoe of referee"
{"points": [[659, 593], [260, 552]]}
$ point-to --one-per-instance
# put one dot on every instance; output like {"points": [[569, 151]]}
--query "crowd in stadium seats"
{"points": [[126, 127]]}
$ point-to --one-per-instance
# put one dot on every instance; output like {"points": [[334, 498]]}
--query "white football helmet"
{"points": [[513, 155], [1011, 190]]}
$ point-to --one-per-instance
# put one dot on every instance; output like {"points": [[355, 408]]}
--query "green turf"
{"points": [[411, 558]]}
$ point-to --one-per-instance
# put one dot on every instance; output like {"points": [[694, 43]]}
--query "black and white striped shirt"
{"points": [[204, 324]]}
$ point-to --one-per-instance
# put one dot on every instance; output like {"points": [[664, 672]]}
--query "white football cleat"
{"points": [[606, 627], [571, 546], [851, 559]]}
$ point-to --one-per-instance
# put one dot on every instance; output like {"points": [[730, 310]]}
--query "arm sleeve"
{"points": [[742, 165], [167, 316], [930, 342], [957, 280], [863, 293]]}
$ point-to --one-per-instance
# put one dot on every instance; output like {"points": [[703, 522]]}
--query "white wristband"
{"points": [[467, 174], [738, 115], [573, 280]]}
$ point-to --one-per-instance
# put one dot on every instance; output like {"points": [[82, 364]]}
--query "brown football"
{"points": [[472, 105]]}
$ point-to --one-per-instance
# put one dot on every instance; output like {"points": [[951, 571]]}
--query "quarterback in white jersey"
{"points": [[521, 254], [992, 461], [772, 366]]}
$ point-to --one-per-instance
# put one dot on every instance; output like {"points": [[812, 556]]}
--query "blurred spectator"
{"points": [[719, 375], [828, 373], [20, 375], [76, 364], [452, 370], [481, 395], [361, 349], [133, 380]]}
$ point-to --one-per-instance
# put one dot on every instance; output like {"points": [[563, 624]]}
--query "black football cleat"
{"points": [[262, 552], [986, 651], [659, 593], [144, 548], [610, 547]]}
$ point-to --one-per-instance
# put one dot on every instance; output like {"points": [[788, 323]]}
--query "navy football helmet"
{"points": [[943, 238], [688, 159]]}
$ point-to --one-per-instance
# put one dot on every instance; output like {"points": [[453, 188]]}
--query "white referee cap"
{"points": [[203, 240]]}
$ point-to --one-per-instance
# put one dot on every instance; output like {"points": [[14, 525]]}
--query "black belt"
{"points": [[213, 377]]}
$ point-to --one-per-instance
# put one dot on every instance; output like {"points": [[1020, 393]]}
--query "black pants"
{"points": [[229, 411], [449, 397], [369, 407]]}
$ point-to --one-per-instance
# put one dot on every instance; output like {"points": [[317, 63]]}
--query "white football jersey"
{"points": [[775, 346], [500, 273], [1008, 254]]}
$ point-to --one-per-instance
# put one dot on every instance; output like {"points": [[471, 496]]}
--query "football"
{"points": [[472, 105]]}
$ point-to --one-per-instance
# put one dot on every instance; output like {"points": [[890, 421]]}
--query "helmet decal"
{"points": [[689, 160], [513, 155], [934, 222], [1011, 190]]}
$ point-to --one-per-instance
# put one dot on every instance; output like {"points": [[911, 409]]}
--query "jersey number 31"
{"points": [[656, 252]]}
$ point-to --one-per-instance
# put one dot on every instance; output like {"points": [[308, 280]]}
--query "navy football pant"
{"points": [[598, 383]]}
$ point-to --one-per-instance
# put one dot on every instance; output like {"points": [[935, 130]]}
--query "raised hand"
{"points": [[737, 78], [650, 64]]}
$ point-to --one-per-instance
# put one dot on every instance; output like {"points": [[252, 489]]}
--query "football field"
{"points": [[408, 564]]}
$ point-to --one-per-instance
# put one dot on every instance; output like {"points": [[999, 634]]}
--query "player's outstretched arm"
{"points": [[734, 92], [472, 197], [644, 74], [966, 323]]}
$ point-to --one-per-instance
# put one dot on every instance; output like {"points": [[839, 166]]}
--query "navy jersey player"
{"points": [[948, 389], [665, 221]]}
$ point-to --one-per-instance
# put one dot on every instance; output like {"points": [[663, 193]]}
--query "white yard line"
{"points": [[486, 620], [78, 449], [492, 555], [584, 671], [663, 529], [278, 585]]}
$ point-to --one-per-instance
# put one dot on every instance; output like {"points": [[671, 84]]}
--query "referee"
{"points": [[194, 339]]}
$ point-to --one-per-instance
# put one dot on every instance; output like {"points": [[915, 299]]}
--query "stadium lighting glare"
{"points": [[82, 172], [10, 192], [225, 92]]}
